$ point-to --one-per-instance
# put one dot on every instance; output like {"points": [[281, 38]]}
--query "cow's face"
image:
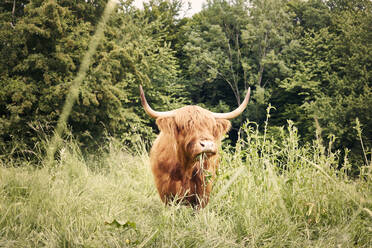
{"points": [[195, 131]]}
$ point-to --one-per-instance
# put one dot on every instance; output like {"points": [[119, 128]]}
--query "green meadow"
{"points": [[268, 193]]}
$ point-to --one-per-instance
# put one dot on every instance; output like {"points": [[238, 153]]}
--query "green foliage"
{"points": [[128, 56], [309, 15], [36, 71], [234, 45], [329, 79], [214, 67], [41, 54]]}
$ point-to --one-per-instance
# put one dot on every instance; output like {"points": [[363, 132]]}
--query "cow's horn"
{"points": [[149, 110], [237, 111]]}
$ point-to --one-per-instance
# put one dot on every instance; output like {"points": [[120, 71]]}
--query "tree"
{"points": [[129, 55], [330, 75], [233, 45], [349, 95], [265, 38], [41, 55], [35, 68], [213, 50], [309, 15]]}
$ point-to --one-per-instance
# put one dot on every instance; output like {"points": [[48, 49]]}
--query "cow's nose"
{"points": [[208, 146]]}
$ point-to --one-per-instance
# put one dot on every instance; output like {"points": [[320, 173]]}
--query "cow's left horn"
{"points": [[149, 110], [237, 111]]}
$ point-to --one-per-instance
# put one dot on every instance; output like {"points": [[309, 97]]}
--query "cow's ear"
{"points": [[167, 125], [223, 126]]}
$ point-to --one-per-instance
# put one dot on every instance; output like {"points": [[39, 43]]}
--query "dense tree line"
{"points": [[310, 60]]}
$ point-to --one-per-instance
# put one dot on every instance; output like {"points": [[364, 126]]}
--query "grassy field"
{"points": [[268, 193]]}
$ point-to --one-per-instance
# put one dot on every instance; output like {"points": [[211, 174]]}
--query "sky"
{"points": [[196, 5]]}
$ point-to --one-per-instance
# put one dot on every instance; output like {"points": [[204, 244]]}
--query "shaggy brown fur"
{"points": [[174, 155]]}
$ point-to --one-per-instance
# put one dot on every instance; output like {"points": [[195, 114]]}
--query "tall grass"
{"points": [[270, 192]]}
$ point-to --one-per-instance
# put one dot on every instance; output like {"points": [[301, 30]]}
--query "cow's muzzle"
{"points": [[208, 147]]}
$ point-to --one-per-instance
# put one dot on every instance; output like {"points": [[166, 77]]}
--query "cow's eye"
{"points": [[177, 129], [190, 145]]}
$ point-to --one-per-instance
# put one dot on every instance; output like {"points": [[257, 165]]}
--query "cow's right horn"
{"points": [[237, 111], [149, 110]]}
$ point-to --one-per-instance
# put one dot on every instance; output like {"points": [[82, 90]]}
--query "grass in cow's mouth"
{"points": [[201, 157], [203, 171]]}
